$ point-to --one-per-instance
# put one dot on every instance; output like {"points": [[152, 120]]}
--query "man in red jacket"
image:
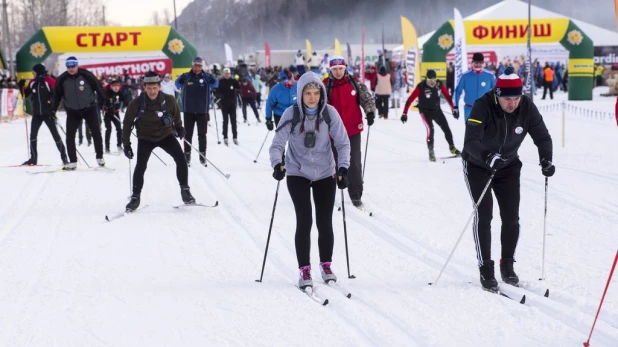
{"points": [[348, 96]]}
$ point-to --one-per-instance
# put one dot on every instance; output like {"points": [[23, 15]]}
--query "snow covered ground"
{"points": [[166, 277]]}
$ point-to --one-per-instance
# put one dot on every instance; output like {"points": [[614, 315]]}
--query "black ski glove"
{"points": [[456, 112], [404, 118], [279, 172], [370, 118], [269, 124], [342, 178], [180, 133], [128, 151], [495, 160], [547, 168]]}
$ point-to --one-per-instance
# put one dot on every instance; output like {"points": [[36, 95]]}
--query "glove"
{"points": [[404, 118], [456, 112], [370, 118], [180, 132], [128, 151], [279, 172], [547, 168], [269, 124], [342, 178], [495, 160]]}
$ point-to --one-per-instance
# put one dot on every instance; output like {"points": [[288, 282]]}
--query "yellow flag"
{"points": [[411, 53], [309, 52], [338, 47]]}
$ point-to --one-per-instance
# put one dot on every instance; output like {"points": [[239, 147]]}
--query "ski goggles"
{"points": [[71, 64]]}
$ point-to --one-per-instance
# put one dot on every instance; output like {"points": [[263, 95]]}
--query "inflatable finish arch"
{"points": [[501, 32], [105, 39]]}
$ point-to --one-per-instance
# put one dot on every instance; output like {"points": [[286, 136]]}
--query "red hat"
{"points": [[509, 84]]}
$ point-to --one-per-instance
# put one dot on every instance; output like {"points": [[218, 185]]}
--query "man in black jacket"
{"points": [[41, 88], [228, 93], [80, 89], [498, 124], [117, 99]]}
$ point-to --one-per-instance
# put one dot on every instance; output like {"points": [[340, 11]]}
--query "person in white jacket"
{"points": [[168, 86]]}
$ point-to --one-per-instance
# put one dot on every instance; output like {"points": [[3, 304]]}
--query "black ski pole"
{"points": [[270, 229], [76, 150], [366, 147], [214, 109], [210, 162], [130, 179], [260, 151], [544, 233], [345, 235]]}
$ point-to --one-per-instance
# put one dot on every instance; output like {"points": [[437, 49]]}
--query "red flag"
{"points": [[362, 62], [266, 54]]}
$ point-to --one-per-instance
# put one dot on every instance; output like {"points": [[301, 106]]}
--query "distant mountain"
{"points": [[285, 24]]}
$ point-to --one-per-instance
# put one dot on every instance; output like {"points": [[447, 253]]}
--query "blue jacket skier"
{"points": [[474, 83]]}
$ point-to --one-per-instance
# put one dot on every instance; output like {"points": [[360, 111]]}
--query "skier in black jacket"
{"points": [[117, 98], [498, 124]]}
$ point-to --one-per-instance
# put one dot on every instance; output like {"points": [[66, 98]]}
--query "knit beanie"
{"points": [[509, 84]]}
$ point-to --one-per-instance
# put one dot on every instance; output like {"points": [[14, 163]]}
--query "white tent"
{"points": [[516, 9]]}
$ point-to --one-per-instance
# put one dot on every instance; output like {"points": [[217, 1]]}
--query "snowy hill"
{"points": [[167, 277]]}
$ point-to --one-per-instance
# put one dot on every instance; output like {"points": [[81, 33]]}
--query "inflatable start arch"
{"points": [[105, 39], [510, 32]]}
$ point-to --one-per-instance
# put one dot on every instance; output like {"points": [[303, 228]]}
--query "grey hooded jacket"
{"points": [[311, 163]]}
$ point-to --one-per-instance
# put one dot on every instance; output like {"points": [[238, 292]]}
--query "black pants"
{"points": [[80, 132], [74, 119], [51, 124], [382, 105], [430, 116], [355, 171], [228, 113], [171, 146], [547, 86], [251, 103], [258, 99], [109, 119], [202, 128], [505, 186], [324, 192]]}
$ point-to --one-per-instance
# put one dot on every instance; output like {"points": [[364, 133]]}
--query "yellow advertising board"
{"points": [[106, 39], [497, 32]]}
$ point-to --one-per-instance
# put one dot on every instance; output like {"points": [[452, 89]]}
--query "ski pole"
{"points": [[203, 156], [130, 179], [260, 151], [27, 137], [345, 235], [214, 109], [155, 154], [76, 150], [544, 234], [611, 272], [366, 147], [476, 206], [272, 218]]}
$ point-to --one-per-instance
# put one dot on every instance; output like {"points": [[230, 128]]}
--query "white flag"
{"points": [[461, 54]]}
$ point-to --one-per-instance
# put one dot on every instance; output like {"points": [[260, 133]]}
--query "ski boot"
{"points": [[488, 280], [69, 166], [185, 193], [432, 155], [203, 159], [235, 141], [304, 279], [101, 162], [455, 151], [31, 161], [508, 274], [327, 273], [357, 203], [226, 142], [134, 203]]}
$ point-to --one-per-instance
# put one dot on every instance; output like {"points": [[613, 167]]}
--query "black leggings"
{"points": [[202, 128], [324, 192], [171, 147], [430, 116], [74, 119], [37, 121], [382, 105], [109, 119]]}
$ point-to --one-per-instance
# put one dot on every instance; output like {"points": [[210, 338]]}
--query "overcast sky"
{"points": [[139, 12]]}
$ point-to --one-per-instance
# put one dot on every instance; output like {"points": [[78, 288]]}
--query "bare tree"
{"points": [[155, 18]]}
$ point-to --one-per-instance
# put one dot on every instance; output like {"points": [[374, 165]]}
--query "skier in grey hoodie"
{"points": [[310, 164]]}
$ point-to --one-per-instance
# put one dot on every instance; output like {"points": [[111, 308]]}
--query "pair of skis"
{"points": [[320, 300], [127, 212]]}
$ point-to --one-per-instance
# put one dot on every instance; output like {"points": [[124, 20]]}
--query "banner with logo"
{"points": [[411, 52], [105, 39], [461, 55], [309, 52], [135, 69], [496, 32]]}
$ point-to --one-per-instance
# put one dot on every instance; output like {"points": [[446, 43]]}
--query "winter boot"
{"points": [[508, 274], [488, 280], [357, 202], [235, 141], [432, 155], [69, 166], [327, 273], [188, 158], [185, 193], [226, 142], [101, 162], [203, 158], [304, 279], [134, 203], [455, 151], [31, 161]]}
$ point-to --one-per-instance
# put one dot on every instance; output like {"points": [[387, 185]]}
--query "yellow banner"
{"points": [[579, 67], [438, 67], [338, 47], [486, 32], [106, 39], [412, 57], [309, 51]]}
